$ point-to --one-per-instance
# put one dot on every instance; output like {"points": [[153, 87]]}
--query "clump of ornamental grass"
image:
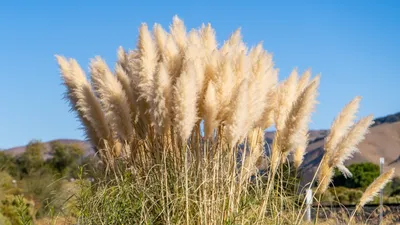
{"points": [[179, 124]]}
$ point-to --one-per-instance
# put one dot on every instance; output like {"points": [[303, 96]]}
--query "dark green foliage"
{"points": [[17, 209], [65, 158], [5, 181], [31, 160], [393, 188], [7, 163], [363, 175]]}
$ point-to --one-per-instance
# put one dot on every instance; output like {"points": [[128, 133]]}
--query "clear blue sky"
{"points": [[354, 44]]}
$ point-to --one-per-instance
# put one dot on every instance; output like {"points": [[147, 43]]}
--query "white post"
{"points": [[309, 200], [381, 162]]}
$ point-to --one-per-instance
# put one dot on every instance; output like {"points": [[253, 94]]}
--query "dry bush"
{"points": [[182, 120]]}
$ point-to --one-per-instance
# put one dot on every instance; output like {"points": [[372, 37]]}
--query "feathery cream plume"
{"points": [[341, 124], [296, 124], [70, 81], [372, 191], [298, 155], [300, 115], [303, 81], [285, 96], [256, 143], [261, 82], [255, 53], [84, 102], [184, 106], [225, 83], [140, 105], [299, 118], [325, 175], [211, 54], [88, 104], [193, 54], [133, 68], [195, 39], [207, 34], [123, 59], [160, 37], [113, 98], [147, 63], [232, 44], [348, 144], [236, 122], [241, 67], [267, 117], [159, 110], [376, 186], [125, 81], [172, 57], [178, 32], [210, 110]]}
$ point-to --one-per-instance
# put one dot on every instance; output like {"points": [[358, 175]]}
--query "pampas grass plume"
{"points": [[341, 124], [113, 98], [376, 186], [147, 63], [184, 106]]}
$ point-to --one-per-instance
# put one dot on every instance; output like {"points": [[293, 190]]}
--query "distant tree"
{"points": [[65, 158], [363, 175], [31, 160]]}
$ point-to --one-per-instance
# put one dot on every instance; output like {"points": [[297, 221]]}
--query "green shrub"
{"points": [[18, 210], [31, 160], [346, 195], [65, 159], [5, 181], [7, 163], [363, 175]]}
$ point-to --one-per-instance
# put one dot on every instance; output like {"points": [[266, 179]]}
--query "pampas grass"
{"points": [[373, 190], [180, 125], [376, 186], [342, 143]]}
